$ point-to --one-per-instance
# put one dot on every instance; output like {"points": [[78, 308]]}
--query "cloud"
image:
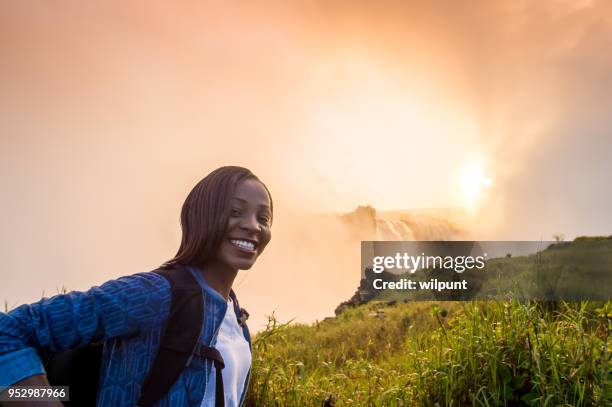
{"points": [[110, 113]]}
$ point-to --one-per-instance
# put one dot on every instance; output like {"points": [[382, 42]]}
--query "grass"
{"points": [[503, 353], [398, 352]]}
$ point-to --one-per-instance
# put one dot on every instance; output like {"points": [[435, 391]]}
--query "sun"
{"points": [[473, 183]]}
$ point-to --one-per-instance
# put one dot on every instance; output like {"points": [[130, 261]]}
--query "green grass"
{"points": [[502, 353]]}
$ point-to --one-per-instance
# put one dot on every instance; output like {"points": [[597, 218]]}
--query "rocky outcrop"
{"points": [[365, 292]]}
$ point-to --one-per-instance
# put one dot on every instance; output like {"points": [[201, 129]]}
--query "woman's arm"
{"points": [[118, 308]]}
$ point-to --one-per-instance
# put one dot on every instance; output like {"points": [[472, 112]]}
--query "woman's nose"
{"points": [[250, 223]]}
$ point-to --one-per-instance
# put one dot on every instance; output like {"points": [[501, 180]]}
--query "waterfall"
{"points": [[393, 229], [368, 224]]}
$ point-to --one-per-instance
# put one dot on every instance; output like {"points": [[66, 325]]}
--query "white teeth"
{"points": [[243, 244]]}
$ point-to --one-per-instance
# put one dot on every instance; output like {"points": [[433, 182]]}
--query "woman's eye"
{"points": [[236, 212], [264, 219]]}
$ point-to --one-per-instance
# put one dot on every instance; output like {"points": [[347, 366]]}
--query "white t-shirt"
{"points": [[234, 349]]}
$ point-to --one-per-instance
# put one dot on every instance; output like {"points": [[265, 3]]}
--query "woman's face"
{"points": [[248, 230]]}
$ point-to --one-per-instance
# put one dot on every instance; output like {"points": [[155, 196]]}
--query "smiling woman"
{"points": [[185, 311]]}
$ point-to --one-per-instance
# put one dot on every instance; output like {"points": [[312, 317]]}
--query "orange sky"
{"points": [[110, 113]]}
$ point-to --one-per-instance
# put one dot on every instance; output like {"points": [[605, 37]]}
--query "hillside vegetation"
{"points": [[504, 353], [564, 270]]}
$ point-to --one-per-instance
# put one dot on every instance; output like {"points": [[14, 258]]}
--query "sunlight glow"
{"points": [[473, 182]]}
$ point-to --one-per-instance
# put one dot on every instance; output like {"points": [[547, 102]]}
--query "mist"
{"points": [[110, 113]]}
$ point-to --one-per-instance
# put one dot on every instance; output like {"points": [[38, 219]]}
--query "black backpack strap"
{"points": [[209, 352], [242, 315], [180, 336]]}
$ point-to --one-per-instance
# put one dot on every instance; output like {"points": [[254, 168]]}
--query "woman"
{"points": [[225, 222]]}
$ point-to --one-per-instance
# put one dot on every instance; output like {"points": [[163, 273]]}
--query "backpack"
{"points": [[80, 368]]}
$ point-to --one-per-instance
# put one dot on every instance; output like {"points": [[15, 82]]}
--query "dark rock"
{"points": [[329, 401]]}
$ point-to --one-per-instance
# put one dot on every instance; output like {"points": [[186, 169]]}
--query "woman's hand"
{"points": [[37, 380]]}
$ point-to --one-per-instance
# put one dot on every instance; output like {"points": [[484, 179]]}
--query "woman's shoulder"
{"points": [[142, 296], [145, 283]]}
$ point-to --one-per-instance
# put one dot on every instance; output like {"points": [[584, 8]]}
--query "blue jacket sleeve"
{"points": [[118, 308]]}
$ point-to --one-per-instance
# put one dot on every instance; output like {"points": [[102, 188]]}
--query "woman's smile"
{"points": [[244, 245]]}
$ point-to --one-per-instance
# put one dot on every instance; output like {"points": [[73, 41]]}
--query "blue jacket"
{"points": [[128, 314]]}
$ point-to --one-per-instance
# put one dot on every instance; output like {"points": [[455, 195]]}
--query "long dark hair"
{"points": [[205, 215]]}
